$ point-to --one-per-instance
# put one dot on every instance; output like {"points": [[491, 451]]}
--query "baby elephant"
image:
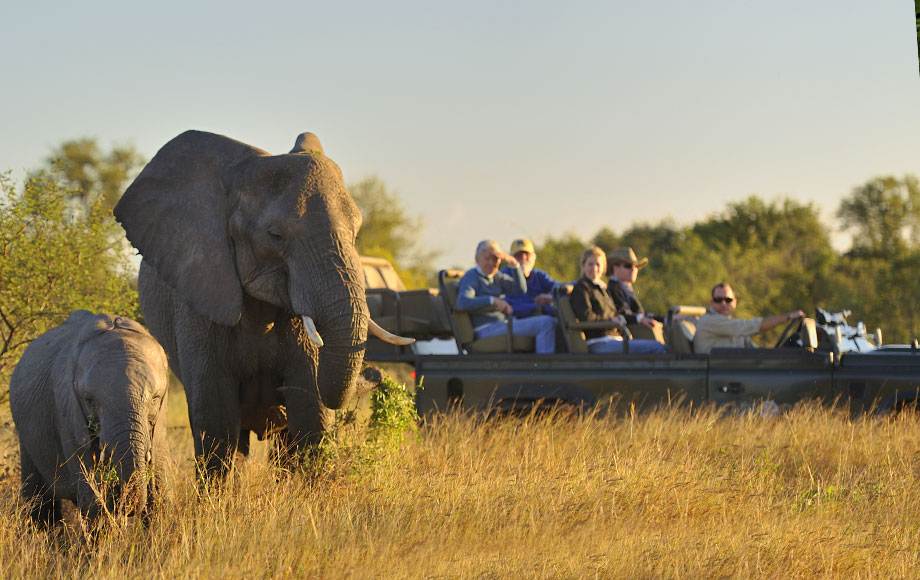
{"points": [[89, 401]]}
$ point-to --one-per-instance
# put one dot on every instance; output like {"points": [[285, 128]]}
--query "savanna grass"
{"points": [[667, 493]]}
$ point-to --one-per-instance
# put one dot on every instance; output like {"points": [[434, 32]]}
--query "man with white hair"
{"points": [[485, 286]]}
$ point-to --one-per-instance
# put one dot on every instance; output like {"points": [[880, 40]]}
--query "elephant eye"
{"points": [[275, 235]]}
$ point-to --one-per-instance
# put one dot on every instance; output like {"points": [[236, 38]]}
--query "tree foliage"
{"points": [[389, 232], [56, 255], [91, 173], [884, 214], [560, 257]]}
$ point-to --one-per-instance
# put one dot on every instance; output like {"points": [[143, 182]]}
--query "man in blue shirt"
{"points": [[484, 286], [539, 296]]}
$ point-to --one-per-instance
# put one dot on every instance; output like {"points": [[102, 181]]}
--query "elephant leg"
{"points": [[215, 424], [215, 443], [282, 452], [242, 445], [308, 419], [159, 489], [207, 368], [213, 408], [216, 429], [45, 510]]}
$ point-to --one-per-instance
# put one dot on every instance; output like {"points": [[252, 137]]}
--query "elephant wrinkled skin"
{"points": [[88, 396], [251, 282]]}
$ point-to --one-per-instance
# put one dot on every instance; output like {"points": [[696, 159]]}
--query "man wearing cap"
{"points": [[485, 286], [539, 296], [625, 268], [717, 329]]}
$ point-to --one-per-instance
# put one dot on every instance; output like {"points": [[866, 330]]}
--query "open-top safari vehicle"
{"points": [[818, 358]]}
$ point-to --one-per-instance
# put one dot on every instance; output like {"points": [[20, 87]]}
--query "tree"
{"points": [[56, 255], [651, 239], [779, 252], [884, 214], [561, 257], [89, 172], [387, 232]]}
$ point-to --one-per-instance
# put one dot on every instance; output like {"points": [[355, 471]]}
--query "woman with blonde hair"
{"points": [[592, 302]]}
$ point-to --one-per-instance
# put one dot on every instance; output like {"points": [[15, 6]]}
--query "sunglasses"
{"points": [[627, 266], [721, 299]]}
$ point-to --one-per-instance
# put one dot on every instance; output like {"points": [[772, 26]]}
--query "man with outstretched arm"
{"points": [[717, 329]]}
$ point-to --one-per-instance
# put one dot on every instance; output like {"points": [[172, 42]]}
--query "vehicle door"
{"points": [[744, 376], [886, 378]]}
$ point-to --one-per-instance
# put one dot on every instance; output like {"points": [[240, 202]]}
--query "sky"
{"points": [[493, 119]]}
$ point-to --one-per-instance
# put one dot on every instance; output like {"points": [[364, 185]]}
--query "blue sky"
{"points": [[492, 119]]}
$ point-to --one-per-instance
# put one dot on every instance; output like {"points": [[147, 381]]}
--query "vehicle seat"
{"points": [[573, 330], [462, 324], [416, 313], [639, 330], [681, 332], [419, 314]]}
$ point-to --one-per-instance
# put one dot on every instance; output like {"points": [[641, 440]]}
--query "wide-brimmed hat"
{"points": [[522, 245], [626, 256]]}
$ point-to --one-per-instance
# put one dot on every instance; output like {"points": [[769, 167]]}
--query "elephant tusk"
{"points": [[386, 336], [310, 327]]}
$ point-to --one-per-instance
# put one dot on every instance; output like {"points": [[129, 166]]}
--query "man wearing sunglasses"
{"points": [[717, 329], [625, 266]]}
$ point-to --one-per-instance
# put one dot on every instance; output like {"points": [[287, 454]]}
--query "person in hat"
{"points": [[485, 286], [625, 268], [591, 301], [717, 328], [539, 296]]}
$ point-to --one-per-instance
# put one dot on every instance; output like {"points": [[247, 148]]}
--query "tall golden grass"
{"points": [[666, 493]]}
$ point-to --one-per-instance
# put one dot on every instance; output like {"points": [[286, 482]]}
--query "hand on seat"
{"points": [[502, 306]]}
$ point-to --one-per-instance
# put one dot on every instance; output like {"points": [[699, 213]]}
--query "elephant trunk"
{"points": [[340, 312], [123, 471], [338, 372]]}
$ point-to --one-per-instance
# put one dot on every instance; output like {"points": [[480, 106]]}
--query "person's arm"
{"points": [[515, 284], [613, 288], [468, 296], [545, 286], [773, 321]]}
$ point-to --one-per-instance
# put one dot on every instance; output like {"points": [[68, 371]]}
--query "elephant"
{"points": [[251, 282], [88, 398]]}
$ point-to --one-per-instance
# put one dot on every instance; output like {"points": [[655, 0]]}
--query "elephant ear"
{"points": [[176, 214], [69, 342]]}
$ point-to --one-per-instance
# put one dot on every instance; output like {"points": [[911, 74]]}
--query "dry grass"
{"points": [[665, 494]]}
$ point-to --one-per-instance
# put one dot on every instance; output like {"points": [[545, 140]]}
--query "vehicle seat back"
{"points": [[574, 339], [462, 324], [681, 332]]}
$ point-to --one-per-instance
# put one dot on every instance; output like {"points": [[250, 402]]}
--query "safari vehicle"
{"points": [[818, 358]]}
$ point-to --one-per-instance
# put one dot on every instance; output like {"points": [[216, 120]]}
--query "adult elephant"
{"points": [[251, 282]]}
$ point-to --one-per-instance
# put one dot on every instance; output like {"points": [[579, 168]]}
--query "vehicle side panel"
{"points": [[473, 380], [785, 376], [879, 378]]}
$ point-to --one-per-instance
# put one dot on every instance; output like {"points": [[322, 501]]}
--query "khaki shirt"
{"points": [[714, 330]]}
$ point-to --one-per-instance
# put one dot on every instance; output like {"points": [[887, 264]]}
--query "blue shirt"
{"points": [[476, 290], [539, 282]]}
